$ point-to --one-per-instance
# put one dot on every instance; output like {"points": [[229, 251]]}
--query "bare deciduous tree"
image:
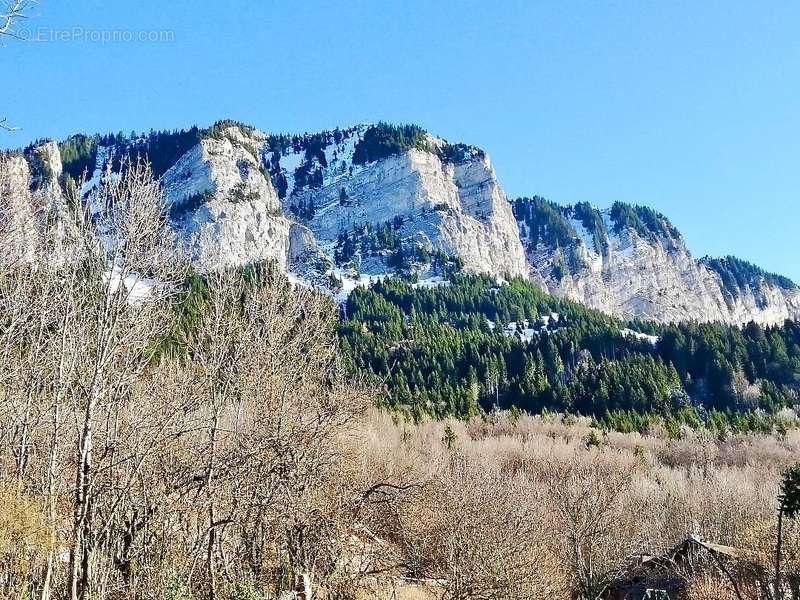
{"points": [[87, 308], [240, 422], [596, 531]]}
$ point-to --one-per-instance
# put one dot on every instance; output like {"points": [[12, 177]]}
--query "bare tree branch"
{"points": [[5, 127], [13, 11]]}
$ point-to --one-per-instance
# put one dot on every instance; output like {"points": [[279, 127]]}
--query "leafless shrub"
{"points": [[480, 534]]}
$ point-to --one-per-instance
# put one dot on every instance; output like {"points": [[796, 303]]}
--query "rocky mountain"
{"points": [[632, 262], [344, 207]]}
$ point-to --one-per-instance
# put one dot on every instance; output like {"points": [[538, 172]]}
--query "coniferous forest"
{"points": [[474, 344]]}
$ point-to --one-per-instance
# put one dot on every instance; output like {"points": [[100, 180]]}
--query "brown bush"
{"points": [[24, 540]]}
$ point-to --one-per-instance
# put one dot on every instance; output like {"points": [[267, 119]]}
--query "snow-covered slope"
{"points": [[344, 207]]}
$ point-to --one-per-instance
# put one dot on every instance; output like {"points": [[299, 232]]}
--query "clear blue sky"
{"points": [[690, 107]]}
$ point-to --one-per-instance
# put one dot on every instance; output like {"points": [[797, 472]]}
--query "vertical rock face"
{"points": [[768, 304], [19, 234], [224, 205], [46, 168], [644, 278], [457, 208], [486, 237], [34, 216], [631, 262], [236, 195], [751, 294]]}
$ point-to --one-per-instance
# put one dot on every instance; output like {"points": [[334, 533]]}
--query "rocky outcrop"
{"points": [[631, 271], [223, 204], [768, 304], [640, 278], [34, 213], [46, 168], [486, 237], [458, 208], [19, 233]]}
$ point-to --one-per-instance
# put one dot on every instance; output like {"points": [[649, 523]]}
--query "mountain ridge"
{"points": [[313, 203]]}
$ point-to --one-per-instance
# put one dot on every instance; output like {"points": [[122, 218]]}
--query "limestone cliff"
{"points": [[343, 207], [457, 207], [631, 262]]}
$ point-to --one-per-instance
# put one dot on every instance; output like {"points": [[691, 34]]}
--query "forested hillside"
{"points": [[475, 344]]}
